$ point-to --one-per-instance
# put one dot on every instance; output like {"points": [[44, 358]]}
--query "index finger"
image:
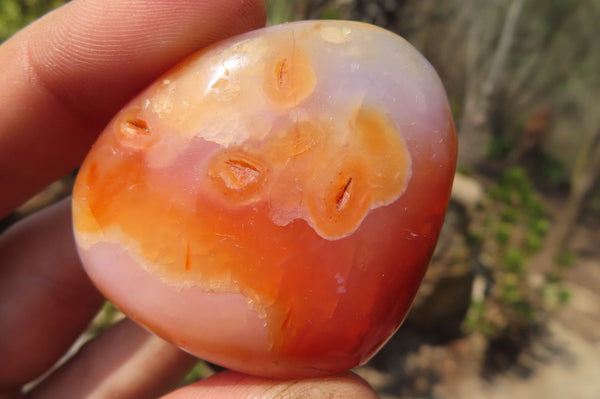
{"points": [[67, 74]]}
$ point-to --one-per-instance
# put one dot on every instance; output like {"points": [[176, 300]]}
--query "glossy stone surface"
{"points": [[271, 204]]}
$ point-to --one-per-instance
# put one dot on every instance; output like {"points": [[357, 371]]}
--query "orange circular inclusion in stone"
{"points": [[289, 77], [237, 172]]}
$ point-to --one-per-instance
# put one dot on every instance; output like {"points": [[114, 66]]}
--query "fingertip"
{"points": [[94, 55], [67, 74], [232, 385], [125, 362], [46, 299]]}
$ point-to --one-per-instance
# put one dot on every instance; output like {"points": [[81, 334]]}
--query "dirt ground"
{"points": [[562, 361]]}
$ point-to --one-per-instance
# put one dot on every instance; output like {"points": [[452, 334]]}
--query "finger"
{"points": [[231, 385], [125, 362], [64, 76], [46, 299]]}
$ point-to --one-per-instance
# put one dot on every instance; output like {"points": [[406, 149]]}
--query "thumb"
{"points": [[232, 385]]}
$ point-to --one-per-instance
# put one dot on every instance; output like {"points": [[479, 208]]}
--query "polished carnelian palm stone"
{"points": [[271, 204]]}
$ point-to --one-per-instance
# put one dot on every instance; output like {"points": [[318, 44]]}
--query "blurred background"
{"points": [[509, 307]]}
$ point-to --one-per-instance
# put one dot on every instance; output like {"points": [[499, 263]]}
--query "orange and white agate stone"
{"points": [[271, 204]]}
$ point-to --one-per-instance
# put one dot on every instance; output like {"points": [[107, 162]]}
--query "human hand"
{"points": [[63, 78]]}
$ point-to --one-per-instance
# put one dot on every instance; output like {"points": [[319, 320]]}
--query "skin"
{"points": [[63, 78]]}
